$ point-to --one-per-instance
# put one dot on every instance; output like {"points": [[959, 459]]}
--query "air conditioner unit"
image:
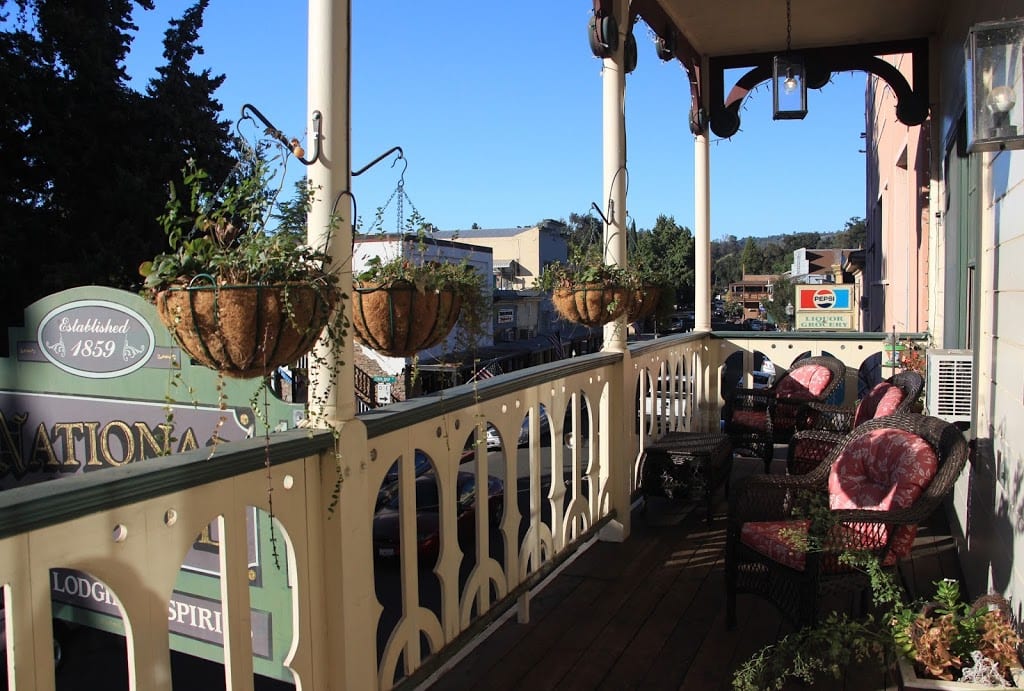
{"points": [[950, 384]]}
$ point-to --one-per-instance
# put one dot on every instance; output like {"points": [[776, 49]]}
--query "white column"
{"points": [[340, 586], [702, 233], [328, 87], [613, 446], [613, 199]]}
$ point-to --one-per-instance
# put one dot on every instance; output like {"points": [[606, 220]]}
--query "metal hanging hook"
{"points": [[611, 209], [292, 144], [371, 164]]}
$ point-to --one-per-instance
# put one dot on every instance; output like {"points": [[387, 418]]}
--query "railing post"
{"points": [[345, 607]]}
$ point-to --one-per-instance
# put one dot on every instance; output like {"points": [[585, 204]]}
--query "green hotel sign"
{"points": [[87, 387]]}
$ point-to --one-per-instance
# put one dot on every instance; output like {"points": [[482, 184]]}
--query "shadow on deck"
{"points": [[649, 613]]}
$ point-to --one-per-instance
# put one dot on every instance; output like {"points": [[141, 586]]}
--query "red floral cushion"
{"points": [[777, 540], [890, 402], [783, 541], [885, 469], [745, 419], [804, 382], [882, 400]]}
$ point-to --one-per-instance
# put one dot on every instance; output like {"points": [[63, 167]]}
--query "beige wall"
{"points": [[989, 499], [529, 247]]}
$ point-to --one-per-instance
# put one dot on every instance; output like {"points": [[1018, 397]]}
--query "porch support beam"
{"points": [[329, 222], [612, 447], [340, 586], [702, 232], [613, 80]]}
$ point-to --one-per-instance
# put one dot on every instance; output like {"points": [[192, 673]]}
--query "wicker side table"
{"points": [[686, 465]]}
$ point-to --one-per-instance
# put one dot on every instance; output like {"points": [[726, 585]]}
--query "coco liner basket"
{"points": [[246, 331], [645, 302], [592, 304], [398, 320]]}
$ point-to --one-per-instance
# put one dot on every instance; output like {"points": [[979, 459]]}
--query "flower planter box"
{"points": [[909, 681]]}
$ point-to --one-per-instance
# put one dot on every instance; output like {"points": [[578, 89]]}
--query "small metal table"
{"points": [[686, 465]]}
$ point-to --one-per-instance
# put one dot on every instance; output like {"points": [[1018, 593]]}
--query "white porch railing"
{"points": [[361, 619]]}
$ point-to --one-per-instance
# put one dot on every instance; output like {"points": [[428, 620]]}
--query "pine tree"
{"points": [[86, 159]]}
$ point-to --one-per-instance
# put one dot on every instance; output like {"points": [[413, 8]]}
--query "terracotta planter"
{"points": [[245, 331], [591, 304], [398, 320], [909, 681], [644, 303]]}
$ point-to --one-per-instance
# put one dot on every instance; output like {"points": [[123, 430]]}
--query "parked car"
{"points": [[386, 543], [494, 439], [390, 485], [765, 375], [421, 465]]}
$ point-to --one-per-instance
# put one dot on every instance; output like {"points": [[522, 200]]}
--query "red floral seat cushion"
{"points": [[882, 400], [746, 419], [804, 382], [885, 469]]}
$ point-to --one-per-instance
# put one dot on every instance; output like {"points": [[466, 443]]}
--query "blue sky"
{"points": [[499, 116]]}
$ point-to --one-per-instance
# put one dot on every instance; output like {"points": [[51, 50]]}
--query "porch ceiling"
{"points": [[739, 27]]}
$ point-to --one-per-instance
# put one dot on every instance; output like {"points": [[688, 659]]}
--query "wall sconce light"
{"points": [[995, 112], [789, 80]]}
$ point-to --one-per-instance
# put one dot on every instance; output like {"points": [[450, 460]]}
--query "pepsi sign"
{"points": [[821, 298]]}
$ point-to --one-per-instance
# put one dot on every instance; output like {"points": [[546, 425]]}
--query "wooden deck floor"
{"points": [[648, 614]]}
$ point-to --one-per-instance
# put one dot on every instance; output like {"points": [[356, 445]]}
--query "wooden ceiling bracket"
{"points": [[912, 102]]}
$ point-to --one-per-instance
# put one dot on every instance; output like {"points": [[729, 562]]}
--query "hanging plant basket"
{"points": [[246, 331], [644, 303], [399, 320], [592, 304]]}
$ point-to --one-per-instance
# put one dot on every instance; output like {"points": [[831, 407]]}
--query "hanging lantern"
{"points": [[995, 112], [789, 80], [789, 88]]}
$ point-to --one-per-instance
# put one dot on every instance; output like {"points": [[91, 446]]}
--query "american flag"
{"points": [[556, 341], [487, 371]]}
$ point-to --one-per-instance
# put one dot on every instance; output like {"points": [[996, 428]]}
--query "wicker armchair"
{"points": [[821, 426], [887, 476], [757, 419]]}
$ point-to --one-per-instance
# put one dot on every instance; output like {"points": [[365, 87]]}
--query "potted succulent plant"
{"points": [[951, 644], [945, 644], [410, 302], [238, 297]]}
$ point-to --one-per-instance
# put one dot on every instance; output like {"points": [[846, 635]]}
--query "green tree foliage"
{"points": [[752, 260], [584, 233], [667, 250], [851, 236], [86, 159]]}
